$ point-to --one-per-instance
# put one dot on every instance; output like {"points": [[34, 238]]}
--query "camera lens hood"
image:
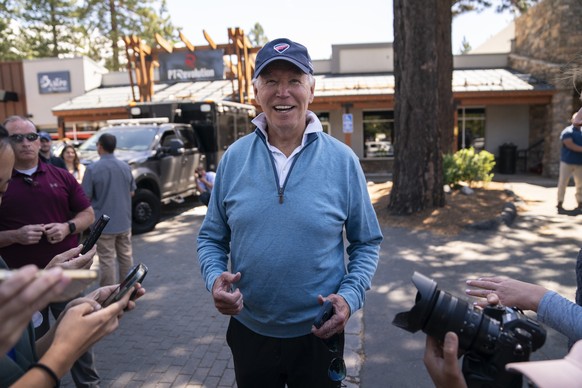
{"points": [[415, 319]]}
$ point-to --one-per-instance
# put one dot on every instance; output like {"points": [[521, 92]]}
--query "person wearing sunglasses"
{"points": [[42, 213], [24, 361], [284, 199]]}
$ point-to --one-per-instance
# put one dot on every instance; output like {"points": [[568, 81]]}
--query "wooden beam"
{"points": [[209, 40], [169, 47], [185, 40], [230, 66], [83, 114]]}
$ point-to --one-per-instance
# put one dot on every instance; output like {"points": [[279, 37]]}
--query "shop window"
{"points": [[471, 126], [324, 119], [378, 134]]}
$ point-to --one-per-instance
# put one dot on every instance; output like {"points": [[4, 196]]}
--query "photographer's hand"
{"points": [[441, 362], [511, 292]]}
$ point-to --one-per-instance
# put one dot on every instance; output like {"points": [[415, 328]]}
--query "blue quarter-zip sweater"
{"points": [[287, 240]]}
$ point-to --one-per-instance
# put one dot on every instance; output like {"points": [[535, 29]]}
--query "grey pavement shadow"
{"points": [[536, 248]]}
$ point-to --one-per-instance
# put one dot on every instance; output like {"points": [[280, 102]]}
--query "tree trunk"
{"points": [[114, 36], [423, 108]]}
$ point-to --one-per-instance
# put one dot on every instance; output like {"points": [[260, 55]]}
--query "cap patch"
{"points": [[281, 47]]}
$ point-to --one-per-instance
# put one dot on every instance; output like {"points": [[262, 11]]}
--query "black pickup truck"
{"points": [[163, 157]]}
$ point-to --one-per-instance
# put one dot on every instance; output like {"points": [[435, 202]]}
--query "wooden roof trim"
{"points": [[92, 112]]}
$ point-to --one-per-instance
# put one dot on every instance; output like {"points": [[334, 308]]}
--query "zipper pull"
{"points": [[280, 195]]}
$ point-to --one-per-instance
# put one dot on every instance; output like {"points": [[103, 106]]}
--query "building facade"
{"points": [[514, 90]]}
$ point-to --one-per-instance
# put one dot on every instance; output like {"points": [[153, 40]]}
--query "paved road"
{"points": [[175, 338]]}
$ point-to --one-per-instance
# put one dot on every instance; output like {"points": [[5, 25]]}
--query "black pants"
{"points": [[260, 361], [205, 197]]}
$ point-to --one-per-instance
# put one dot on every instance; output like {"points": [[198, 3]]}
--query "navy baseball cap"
{"points": [[284, 50], [44, 135]]}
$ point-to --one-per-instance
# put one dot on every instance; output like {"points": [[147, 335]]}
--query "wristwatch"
{"points": [[72, 227]]}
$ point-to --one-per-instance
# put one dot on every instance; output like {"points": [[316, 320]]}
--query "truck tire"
{"points": [[146, 208]]}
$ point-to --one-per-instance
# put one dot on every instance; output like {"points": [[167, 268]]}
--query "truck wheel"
{"points": [[145, 211]]}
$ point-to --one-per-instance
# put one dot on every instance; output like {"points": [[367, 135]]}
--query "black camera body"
{"points": [[490, 338]]}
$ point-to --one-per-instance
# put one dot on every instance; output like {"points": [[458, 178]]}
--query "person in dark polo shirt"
{"points": [[42, 213], [46, 152]]}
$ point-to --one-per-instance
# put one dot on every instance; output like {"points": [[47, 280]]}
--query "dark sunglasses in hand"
{"points": [[20, 138], [337, 368]]}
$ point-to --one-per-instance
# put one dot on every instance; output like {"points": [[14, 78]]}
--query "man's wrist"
{"points": [[72, 227]]}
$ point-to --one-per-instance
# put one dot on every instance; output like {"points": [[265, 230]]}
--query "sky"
{"points": [[317, 24]]}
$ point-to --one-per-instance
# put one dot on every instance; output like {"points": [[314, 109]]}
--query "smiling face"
{"points": [[284, 93], [69, 155]]}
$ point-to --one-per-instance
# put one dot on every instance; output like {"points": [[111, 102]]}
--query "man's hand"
{"points": [[227, 302], [56, 232], [441, 362], [339, 319], [29, 234]]}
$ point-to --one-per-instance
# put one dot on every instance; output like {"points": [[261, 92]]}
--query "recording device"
{"points": [[80, 280], [95, 233], [325, 312], [135, 275], [490, 338], [73, 274]]}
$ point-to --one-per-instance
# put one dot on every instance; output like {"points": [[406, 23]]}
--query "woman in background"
{"points": [[74, 165]]}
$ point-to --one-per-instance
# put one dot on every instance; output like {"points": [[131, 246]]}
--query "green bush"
{"points": [[468, 166]]}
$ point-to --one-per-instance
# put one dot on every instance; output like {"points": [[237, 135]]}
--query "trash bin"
{"points": [[507, 158]]}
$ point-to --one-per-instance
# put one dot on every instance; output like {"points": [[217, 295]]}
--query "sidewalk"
{"points": [[175, 337], [540, 247]]}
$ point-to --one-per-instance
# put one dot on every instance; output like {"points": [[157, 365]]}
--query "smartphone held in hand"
{"points": [[95, 233], [135, 275]]}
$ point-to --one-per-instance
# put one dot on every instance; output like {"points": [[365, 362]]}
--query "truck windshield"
{"points": [[128, 138]]}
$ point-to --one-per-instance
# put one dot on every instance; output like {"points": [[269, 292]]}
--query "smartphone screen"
{"points": [[135, 275]]}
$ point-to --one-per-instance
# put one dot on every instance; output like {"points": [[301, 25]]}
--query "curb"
{"points": [[506, 217]]}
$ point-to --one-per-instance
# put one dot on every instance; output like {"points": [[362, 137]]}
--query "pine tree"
{"points": [[114, 19]]}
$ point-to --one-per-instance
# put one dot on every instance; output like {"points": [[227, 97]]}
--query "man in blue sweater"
{"points": [[285, 197]]}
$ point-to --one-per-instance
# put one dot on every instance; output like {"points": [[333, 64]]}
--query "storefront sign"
{"points": [[348, 123], [54, 82], [187, 66]]}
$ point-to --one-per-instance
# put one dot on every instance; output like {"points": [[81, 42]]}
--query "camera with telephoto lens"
{"points": [[490, 338]]}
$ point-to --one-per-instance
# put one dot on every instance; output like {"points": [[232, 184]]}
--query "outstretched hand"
{"points": [[510, 292]]}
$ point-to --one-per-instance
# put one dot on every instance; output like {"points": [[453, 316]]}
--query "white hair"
{"points": [[310, 79]]}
